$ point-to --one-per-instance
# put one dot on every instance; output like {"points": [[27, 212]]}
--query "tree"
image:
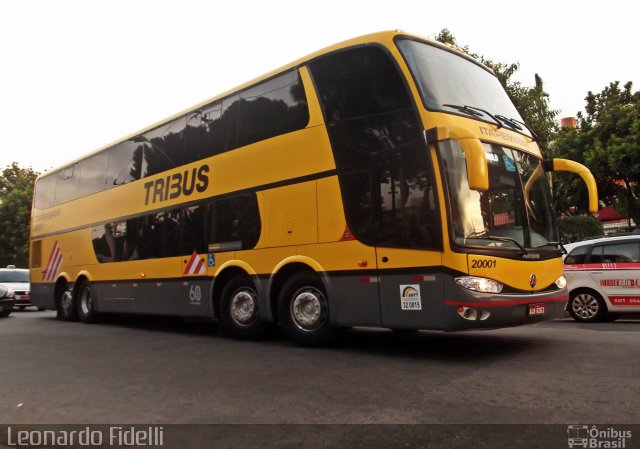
{"points": [[607, 140], [16, 192], [531, 102], [576, 228]]}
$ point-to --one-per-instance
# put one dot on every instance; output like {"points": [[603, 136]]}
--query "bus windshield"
{"points": [[451, 83], [507, 215]]}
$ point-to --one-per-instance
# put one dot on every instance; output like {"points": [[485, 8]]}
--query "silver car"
{"points": [[17, 279]]}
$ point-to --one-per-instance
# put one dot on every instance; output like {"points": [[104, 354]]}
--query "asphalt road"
{"points": [[149, 370]]}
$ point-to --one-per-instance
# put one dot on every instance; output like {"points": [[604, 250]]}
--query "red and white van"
{"points": [[603, 277]]}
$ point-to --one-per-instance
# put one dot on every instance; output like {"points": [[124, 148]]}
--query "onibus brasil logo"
{"points": [[597, 437]]}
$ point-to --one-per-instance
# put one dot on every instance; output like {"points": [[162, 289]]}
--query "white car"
{"points": [[17, 279], [603, 277]]}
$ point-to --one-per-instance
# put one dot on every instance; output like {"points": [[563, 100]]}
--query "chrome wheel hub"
{"points": [[309, 309], [244, 307]]}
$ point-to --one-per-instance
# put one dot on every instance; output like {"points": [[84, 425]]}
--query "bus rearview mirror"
{"points": [[477, 171], [585, 174], [476, 161]]}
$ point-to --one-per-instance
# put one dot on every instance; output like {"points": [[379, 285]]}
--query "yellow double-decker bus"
{"points": [[384, 181]]}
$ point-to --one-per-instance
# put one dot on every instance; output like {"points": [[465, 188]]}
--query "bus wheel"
{"points": [[86, 303], [240, 312], [66, 307], [303, 311], [587, 306]]}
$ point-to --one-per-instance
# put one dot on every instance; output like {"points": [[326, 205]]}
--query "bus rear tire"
{"points": [[303, 311], [240, 311], [86, 303], [66, 307]]}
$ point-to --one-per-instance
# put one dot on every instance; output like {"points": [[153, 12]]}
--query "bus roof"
{"points": [[379, 37]]}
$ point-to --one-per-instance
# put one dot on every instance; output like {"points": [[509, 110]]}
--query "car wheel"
{"points": [[22, 307], [303, 311], [5, 313], [240, 312], [66, 307], [86, 303], [587, 306]]}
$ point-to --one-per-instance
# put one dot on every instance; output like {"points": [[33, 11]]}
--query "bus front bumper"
{"points": [[483, 311]]}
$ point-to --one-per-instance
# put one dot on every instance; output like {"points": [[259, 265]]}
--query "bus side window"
{"points": [[212, 129], [125, 163], [275, 107], [192, 229], [93, 174], [385, 174], [201, 134], [157, 235], [406, 210], [104, 244], [44, 191], [235, 219], [66, 184], [163, 148]]}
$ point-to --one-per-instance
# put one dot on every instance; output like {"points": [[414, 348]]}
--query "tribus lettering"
{"points": [[171, 187]]}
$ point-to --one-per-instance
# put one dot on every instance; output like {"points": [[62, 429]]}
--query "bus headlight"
{"points": [[477, 284], [561, 282]]}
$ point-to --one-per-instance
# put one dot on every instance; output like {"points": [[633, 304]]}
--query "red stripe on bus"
{"points": [[55, 246], [54, 264]]}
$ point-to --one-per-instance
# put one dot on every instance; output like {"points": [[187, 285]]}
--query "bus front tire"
{"points": [[303, 311], [86, 303], [240, 312]]}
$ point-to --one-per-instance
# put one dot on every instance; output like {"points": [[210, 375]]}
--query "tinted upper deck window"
{"points": [[378, 148]]}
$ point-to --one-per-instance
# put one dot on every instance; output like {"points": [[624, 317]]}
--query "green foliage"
{"points": [[607, 140], [531, 102], [576, 228], [16, 192]]}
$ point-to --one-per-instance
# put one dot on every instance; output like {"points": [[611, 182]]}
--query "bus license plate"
{"points": [[536, 309]]}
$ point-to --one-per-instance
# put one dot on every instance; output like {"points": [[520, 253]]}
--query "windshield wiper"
{"points": [[516, 124], [466, 109], [498, 119], [477, 112], [485, 236], [513, 123]]}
